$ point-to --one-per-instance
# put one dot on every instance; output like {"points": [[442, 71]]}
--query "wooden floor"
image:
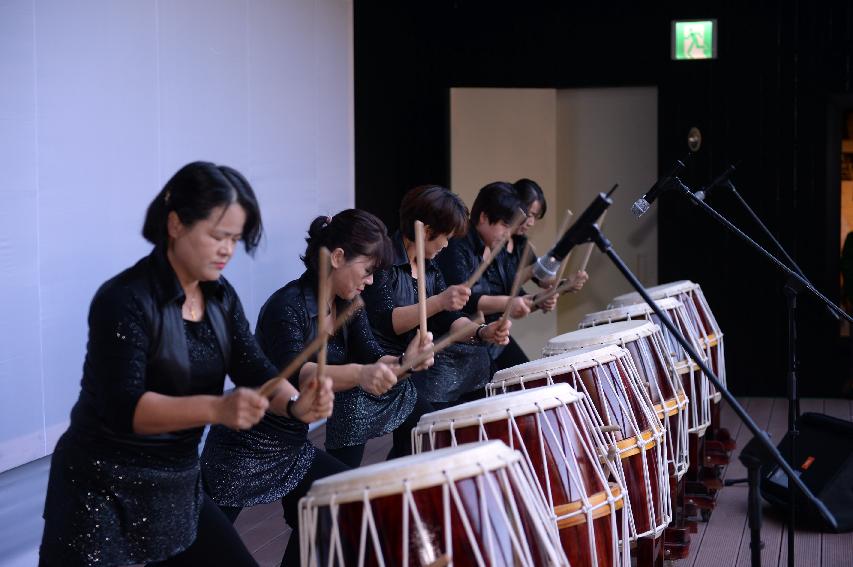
{"points": [[722, 542]]}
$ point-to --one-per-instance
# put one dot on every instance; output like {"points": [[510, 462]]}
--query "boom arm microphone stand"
{"points": [[792, 289], [595, 235], [795, 284]]}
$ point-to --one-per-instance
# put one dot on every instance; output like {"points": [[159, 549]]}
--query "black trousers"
{"points": [[323, 465], [402, 438]]}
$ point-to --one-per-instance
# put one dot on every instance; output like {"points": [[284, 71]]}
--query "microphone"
{"points": [[642, 204], [703, 192], [546, 266]]}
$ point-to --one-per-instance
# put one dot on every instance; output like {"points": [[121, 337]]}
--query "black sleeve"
{"points": [[249, 366], [457, 264], [362, 347], [380, 302], [117, 356], [440, 323]]}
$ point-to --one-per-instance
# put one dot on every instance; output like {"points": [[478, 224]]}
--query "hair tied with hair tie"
{"points": [[327, 222], [166, 196]]}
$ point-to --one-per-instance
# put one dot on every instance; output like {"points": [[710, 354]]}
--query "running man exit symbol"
{"points": [[694, 40]]}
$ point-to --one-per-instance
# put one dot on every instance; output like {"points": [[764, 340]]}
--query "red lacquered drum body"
{"points": [[562, 445], [656, 369], [634, 434], [472, 505]]}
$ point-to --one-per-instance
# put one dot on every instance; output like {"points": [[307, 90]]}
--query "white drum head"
{"points": [[631, 311], [612, 333], [562, 363], [488, 410], [419, 471], [657, 292]]}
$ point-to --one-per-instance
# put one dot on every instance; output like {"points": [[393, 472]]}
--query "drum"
{"points": [[469, 505], [614, 395], [691, 296], [562, 444], [694, 381], [645, 343]]}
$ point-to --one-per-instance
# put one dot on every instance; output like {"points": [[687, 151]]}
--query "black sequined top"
{"points": [[116, 497], [395, 287], [288, 322]]}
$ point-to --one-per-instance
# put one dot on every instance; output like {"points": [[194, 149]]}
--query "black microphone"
{"points": [[703, 192], [546, 266], [642, 204]]}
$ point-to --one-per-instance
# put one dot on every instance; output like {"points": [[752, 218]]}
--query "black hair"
{"points": [[435, 206], [500, 202], [193, 192], [529, 192], [356, 232]]}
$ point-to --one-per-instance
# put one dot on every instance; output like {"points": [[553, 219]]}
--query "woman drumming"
{"points": [[125, 485], [392, 304], [274, 460]]}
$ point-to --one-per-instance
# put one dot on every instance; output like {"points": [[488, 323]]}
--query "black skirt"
{"points": [[109, 504], [458, 369]]}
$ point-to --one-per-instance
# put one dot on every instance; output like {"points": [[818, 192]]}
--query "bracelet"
{"points": [[477, 336], [289, 407], [400, 359]]}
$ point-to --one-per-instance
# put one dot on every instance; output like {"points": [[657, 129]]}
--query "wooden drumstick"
{"points": [[563, 228], [421, 264], [516, 282], [520, 216], [443, 343], [542, 297], [591, 245], [270, 385], [323, 295]]}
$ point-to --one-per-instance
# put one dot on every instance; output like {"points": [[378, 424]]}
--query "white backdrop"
{"points": [[100, 102]]}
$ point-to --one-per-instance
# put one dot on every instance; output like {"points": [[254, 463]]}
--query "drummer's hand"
{"points": [[577, 280], [240, 409], [454, 297], [497, 332], [520, 306], [418, 347], [550, 303], [376, 378], [315, 400]]}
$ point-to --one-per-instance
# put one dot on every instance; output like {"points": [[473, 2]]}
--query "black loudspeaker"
{"points": [[824, 463]]}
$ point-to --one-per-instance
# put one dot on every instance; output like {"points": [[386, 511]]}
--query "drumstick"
{"points": [[591, 245], [323, 295], [481, 269], [270, 385], [442, 344], [563, 228], [540, 298], [419, 250], [516, 283]]}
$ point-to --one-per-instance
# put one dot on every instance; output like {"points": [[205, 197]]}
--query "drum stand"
{"points": [[594, 234]]}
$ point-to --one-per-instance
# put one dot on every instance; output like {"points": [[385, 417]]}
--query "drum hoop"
{"points": [[572, 514], [657, 292], [624, 312], [457, 463], [633, 445], [557, 364], [633, 333], [487, 410]]}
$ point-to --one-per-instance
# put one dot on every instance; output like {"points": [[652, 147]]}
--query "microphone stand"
{"points": [[595, 234], [793, 286], [792, 290]]}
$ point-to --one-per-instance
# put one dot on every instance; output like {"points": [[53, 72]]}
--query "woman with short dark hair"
{"points": [[125, 484], [392, 302]]}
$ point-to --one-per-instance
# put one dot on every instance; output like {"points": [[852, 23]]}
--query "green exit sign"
{"points": [[694, 39]]}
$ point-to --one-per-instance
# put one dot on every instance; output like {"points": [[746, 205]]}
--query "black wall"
{"points": [[770, 103]]}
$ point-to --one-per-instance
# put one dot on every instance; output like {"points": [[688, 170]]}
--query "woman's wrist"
{"points": [[478, 337]]}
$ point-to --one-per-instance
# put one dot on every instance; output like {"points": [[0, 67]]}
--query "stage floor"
{"points": [[722, 542]]}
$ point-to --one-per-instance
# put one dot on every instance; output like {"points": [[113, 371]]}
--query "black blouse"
{"points": [[395, 287], [137, 343], [288, 322]]}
